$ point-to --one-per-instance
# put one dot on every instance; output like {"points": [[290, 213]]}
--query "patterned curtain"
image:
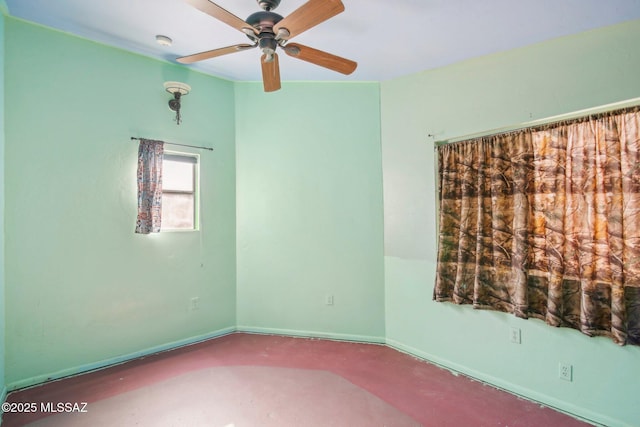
{"points": [[545, 223], [150, 154]]}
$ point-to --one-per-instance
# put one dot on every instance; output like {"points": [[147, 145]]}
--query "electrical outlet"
{"points": [[194, 303], [515, 335], [328, 300], [565, 371]]}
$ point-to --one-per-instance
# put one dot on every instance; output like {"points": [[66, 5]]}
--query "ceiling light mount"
{"points": [[164, 40], [178, 90]]}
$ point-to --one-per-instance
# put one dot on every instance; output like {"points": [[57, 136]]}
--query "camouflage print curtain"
{"points": [[545, 223]]}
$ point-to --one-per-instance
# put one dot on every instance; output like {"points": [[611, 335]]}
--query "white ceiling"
{"points": [[388, 38]]}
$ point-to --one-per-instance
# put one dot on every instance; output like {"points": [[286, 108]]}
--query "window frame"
{"points": [[194, 160]]}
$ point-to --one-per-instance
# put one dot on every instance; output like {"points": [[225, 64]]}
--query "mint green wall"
{"points": [[83, 288], [2, 263], [309, 210], [551, 78], [305, 165]]}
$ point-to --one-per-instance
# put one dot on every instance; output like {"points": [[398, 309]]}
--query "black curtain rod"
{"points": [[181, 145]]}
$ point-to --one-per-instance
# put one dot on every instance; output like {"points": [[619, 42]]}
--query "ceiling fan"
{"points": [[268, 30]]}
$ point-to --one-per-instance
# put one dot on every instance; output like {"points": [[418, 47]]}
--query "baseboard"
{"points": [[578, 412], [312, 334], [40, 379]]}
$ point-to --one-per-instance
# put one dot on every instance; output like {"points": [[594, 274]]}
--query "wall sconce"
{"points": [[178, 90]]}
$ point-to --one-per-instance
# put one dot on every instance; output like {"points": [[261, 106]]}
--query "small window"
{"points": [[179, 192]]}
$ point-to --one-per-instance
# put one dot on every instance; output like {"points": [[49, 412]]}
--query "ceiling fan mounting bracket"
{"points": [[268, 4]]}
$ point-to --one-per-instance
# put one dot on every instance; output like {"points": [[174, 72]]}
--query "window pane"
{"points": [[177, 211], [177, 176]]}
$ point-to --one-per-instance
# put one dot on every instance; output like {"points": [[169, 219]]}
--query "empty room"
{"points": [[320, 213]]}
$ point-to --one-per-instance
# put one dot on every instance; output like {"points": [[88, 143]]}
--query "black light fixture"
{"points": [[178, 90]]}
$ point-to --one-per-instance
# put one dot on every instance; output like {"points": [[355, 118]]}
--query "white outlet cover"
{"points": [[515, 335], [565, 371]]}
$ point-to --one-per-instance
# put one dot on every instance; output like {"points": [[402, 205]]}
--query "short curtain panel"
{"points": [[545, 223], [150, 155]]}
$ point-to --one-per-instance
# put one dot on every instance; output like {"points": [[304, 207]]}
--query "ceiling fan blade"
{"points": [[308, 15], [270, 73], [318, 57], [221, 14], [190, 59]]}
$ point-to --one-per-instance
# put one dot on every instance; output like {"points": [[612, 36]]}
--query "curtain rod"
{"points": [[181, 145], [548, 120]]}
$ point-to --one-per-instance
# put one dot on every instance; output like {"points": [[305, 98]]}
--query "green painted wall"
{"points": [[305, 163], [2, 263], [83, 288], [547, 79], [309, 210]]}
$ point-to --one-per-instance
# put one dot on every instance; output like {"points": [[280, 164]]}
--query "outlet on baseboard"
{"points": [[194, 303]]}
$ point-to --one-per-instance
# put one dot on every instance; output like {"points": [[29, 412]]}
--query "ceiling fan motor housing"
{"points": [[264, 22]]}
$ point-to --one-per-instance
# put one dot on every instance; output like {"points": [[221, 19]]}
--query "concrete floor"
{"points": [[258, 380]]}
